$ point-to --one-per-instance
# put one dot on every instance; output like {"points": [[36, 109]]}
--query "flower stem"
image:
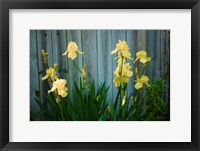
{"points": [[121, 85], [77, 66], [61, 111], [122, 90], [143, 70]]}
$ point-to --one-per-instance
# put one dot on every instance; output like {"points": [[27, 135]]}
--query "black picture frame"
{"points": [[5, 5]]}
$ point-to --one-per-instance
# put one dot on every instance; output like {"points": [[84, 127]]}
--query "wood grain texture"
{"points": [[97, 46], [41, 69], [63, 46], [131, 41], [34, 76], [89, 46], [104, 60], [56, 59], [141, 45], [163, 53], [151, 52], [157, 51], [75, 36]]}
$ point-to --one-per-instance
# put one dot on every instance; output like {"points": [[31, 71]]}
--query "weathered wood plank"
{"points": [[141, 44], [41, 71], [56, 56], [34, 79], [63, 46], [131, 40], [75, 35], [141, 40], [157, 55], [162, 53], [104, 60], [48, 46], [151, 52], [167, 61], [89, 41]]}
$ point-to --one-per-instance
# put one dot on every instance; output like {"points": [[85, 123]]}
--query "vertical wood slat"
{"points": [[41, 71], [73, 73], [89, 41], [75, 35], [131, 41], [63, 46], [162, 53], [47, 34], [141, 44], [70, 68], [157, 60], [150, 49], [44, 41], [104, 60], [56, 59], [167, 60], [34, 80]]}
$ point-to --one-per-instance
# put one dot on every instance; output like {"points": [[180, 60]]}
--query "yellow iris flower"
{"points": [[142, 57], [44, 56], [122, 49], [83, 72], [72, 49], [59, 87], [124, 100], [51, 72], [122, 77], [108, 109], [141, 81]]}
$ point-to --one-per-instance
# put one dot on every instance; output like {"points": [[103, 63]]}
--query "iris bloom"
{"points": [[108, 109], [51, 72], [83, 73], [141, 81], [122, 49], [59, 87], [124, 101], [142, 57], [122, 77], [72, 49], [44, 56]]}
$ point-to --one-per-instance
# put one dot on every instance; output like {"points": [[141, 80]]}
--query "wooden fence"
{"points": [[97, 45]]}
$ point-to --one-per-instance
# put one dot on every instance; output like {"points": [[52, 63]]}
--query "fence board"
{"points": [[104, 59], [131, 40], [63, 46], [141, 44], [157, 60], [167, 60], [89, 41], [41, 71], [34, 80], [56, 48], [162, 53], [151, 49], [75, 35]]}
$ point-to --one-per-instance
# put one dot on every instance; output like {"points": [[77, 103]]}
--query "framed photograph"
{"points": [[99, 75]]}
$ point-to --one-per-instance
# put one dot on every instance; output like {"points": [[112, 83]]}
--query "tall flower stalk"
{"points": [[58, 85], [61, 91], [72, 50], [123, 71], [141, 79]]}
